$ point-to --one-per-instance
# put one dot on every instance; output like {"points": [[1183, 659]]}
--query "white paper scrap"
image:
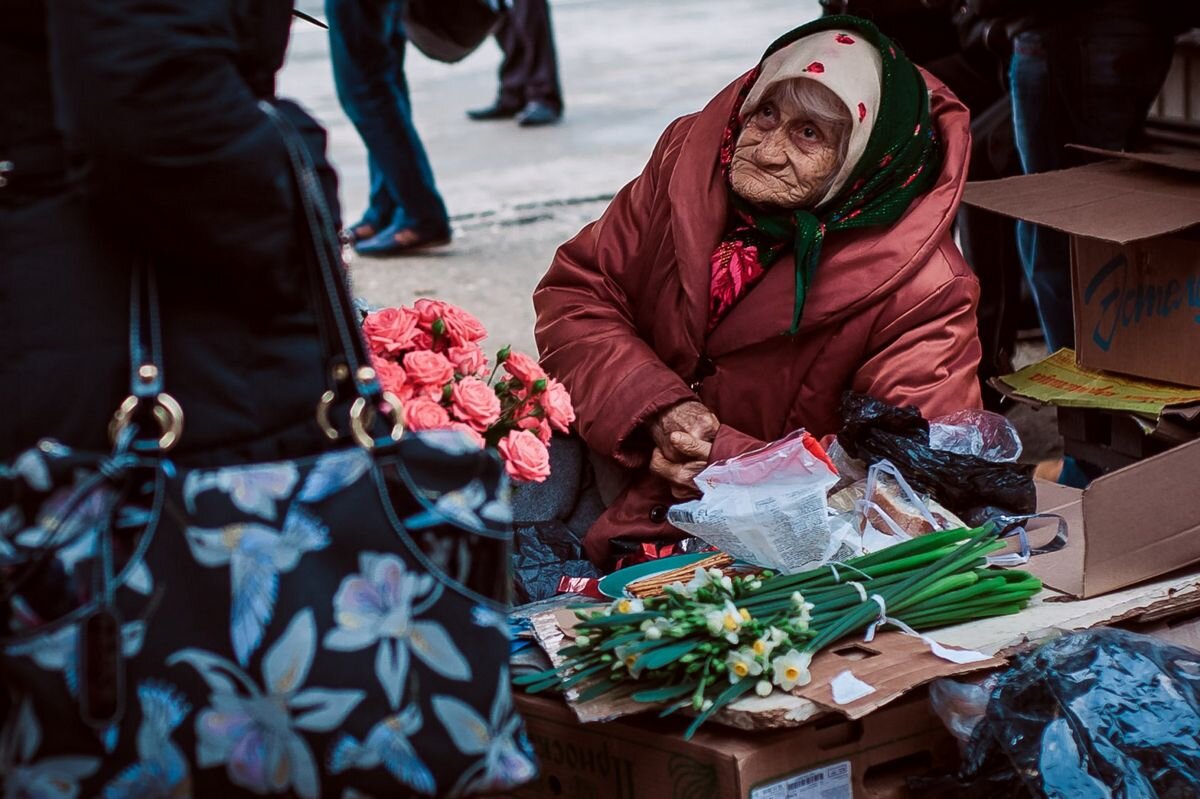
{"points": [[847, 688], [954, 655]]}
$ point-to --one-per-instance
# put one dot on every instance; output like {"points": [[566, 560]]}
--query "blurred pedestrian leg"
{"points": [[529, 86], [367, 45], [1087, 77]]}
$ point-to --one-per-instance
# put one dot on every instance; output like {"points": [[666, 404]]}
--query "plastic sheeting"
{"points": [[1098, 714]]}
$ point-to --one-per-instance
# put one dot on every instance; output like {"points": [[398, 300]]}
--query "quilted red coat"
{"points": [[621, 317]]}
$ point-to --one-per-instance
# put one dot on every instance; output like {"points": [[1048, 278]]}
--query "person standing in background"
{"points": [[406, 213], [529, 88]]}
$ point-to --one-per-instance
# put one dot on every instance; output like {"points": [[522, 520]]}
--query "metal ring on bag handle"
{"points": [[167, 412], [323, 406], [361, 416]]}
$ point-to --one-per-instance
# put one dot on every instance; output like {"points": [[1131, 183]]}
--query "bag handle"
{"points": [[334, 300], [344, 347]]}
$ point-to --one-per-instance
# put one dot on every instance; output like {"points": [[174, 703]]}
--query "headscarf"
{"points": [[896, 161]]}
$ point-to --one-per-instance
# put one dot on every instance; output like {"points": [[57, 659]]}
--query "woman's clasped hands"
{"points": [[683, 436]]}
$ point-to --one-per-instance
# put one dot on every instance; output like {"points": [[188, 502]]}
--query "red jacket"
{"points": [[621, 316]]}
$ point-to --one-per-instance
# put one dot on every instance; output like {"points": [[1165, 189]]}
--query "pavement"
{"points": [[628, 67]]}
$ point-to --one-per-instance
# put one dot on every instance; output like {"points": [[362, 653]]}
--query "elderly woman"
{"points": [[788, 242]]}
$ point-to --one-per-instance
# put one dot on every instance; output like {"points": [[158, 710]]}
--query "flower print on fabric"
{"points": [[256, 556], [57, 651], [162, 770], [506, 756], [377, 606], [468, 506], [334, 472], [252, 489], [387, 745], [49, 778], [253, 731]]}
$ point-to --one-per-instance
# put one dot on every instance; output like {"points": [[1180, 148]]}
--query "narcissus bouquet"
{"points": [[704, 644], [429, 356]]}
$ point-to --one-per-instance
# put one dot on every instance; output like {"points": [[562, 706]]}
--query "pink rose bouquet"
{"points": [[430, 357]]}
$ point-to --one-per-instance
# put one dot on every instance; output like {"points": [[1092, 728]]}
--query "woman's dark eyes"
{"points": [[808, 133]]}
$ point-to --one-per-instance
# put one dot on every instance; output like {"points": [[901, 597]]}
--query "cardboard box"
{"points": [[1128, 526], [1135, 255], [644, 757]]}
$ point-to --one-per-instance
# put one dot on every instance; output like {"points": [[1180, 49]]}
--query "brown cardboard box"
{"points": [[1128, 526], [644, 757], [1135, 253]]}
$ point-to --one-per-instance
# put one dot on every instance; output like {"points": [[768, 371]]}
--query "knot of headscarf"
{"points": [[901, 161]]}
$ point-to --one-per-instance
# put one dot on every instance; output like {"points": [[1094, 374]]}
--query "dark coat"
{"points": [[134, 132]]}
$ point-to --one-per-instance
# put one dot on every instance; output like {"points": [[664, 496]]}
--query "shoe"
{"points": [[496, 110], [535, 114], [400, 241], [351, 234]]}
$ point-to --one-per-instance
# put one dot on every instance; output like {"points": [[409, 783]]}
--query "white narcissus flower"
{"points": [[627, 605], [791, 669], [700, 580], [742, 663], [654, 629], [762, 646], [777, 636], [629, 660]]}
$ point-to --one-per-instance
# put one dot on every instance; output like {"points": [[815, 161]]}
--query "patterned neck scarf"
{"points": [[901, 160]]}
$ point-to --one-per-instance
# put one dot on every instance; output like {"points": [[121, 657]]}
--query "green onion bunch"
{"points": [[706, 643]]}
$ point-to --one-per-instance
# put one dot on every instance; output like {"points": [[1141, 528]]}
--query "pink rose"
{"points": [[556, 402], [462, 327], [468, 359], [391, 375], [525, 457], [425, 414], [469, 432], [524, 368], [391, 330], [539, 427], [475, 403], [427, 311], [428, 368]]}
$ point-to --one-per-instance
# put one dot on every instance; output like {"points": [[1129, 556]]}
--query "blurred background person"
{"points": [[405, 212], [529, 86]]}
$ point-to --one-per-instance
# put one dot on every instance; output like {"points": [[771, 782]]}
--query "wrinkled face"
{"points": [[785, 156]]}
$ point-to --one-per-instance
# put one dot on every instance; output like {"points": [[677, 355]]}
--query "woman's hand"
{"points": [[697, 425], [682, 475]]}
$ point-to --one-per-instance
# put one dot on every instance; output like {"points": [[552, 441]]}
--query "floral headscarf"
{"points": [[893, 155]]}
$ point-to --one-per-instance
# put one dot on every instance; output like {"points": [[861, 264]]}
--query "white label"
{"points": [[827, 782]]}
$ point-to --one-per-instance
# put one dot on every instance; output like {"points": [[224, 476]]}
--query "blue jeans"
{"points": [[1091, 81], [366, 43]]}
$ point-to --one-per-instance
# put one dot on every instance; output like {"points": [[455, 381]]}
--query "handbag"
{"points": [[329, 626], [450, 30]]}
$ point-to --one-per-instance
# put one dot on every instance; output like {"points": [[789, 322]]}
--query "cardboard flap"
{"points": [[1186, 160], [1120, 200], [1142, 521]]}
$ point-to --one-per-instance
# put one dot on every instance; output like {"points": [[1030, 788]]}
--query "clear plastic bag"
{"points": [[983, 434], [1092, 715], [961, 705]]}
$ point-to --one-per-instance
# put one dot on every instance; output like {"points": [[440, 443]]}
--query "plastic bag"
{"points": [[1103, 713], [961, 706], [983, 434], [873, 431], [765, 507]]}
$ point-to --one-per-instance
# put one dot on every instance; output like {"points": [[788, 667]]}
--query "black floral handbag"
{"points": [[332, 626]]}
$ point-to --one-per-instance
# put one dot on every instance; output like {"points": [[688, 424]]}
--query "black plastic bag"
{"points": [[450, 30], [1103, 713], [873, 431]]}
